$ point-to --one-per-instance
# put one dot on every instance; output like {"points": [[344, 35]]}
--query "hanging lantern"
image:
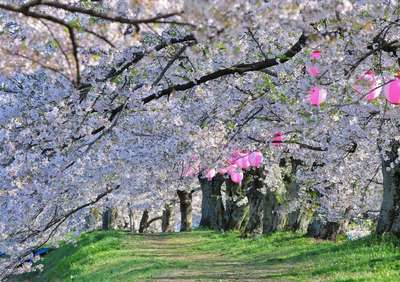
{"points": [[313, 71], [368, 82], [392, 91], [315, 55], [277, 140], [232, 168], [210, 174], [235, 155], [317, 96], [243, 162], [256, 159], [236, 177]]}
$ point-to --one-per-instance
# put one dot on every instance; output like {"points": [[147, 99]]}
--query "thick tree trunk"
{"points": [[345, 221], [293, 214], [237, 204], [185, 203], [109, 218], [167, 224], [256, 197], [274, 217], [93, 219], [323, 230], [294, 217], [212, 208], [299, 220], [144, 221], [389, 217]]}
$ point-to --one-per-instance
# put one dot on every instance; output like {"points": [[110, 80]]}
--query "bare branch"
{"points": [[169, 64], [236, 69], [119, 19], [75, 54]]}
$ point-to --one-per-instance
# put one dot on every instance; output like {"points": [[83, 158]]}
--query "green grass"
{"points": [[210, 256]]}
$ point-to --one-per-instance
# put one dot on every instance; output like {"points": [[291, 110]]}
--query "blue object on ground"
{"points": [[2, 254], [41, 251]]}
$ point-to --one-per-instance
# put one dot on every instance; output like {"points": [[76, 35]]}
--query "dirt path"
{"points": [[204, 265]]}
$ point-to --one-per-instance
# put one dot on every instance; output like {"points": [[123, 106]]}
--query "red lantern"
{"points": [[277, 140]]}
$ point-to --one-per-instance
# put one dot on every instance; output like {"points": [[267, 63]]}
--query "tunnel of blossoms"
{"points": [[255, 117]]}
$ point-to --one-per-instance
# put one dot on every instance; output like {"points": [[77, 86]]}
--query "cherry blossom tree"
{"points": [[130, 101]]}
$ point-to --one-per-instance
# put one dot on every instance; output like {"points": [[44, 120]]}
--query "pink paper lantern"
{"points": [[232, 168], [313, 71], [256, 159], [243, 162], [368, 83], [317, 96], [237, 177], [315, 54], [236, 154], [277, 140], [392, 91], [210, 174]]}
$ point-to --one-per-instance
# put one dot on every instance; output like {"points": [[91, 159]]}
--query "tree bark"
{"points": [[167, 224], [274, 217], [109, 218], [185, 204], [237, 204], [389, 217], [299, 219], [294, 217], [131, 221], [212, 208], [256, 197], [323, 230], [144, 221], [93, 219]]}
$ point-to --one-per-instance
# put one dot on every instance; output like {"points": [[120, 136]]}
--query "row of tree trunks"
{"points": [[251, 208], [109, 216]]}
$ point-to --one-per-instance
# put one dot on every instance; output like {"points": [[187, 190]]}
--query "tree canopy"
{"points": [[132, 100]]}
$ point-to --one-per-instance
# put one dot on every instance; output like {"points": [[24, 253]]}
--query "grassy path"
{"points": [[209, 256]]}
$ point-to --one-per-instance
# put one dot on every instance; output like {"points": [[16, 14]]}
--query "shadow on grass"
{"points": [[328, 258], [207, 255]]}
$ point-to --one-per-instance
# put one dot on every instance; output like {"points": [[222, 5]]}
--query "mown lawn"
{"points": [[210, 256]]}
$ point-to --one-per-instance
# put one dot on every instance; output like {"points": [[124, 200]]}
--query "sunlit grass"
{"points": [[206, 255]]}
